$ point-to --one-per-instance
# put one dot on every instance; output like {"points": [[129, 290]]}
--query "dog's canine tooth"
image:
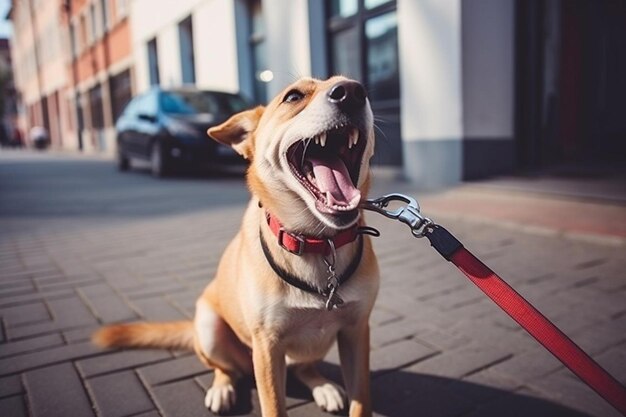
{"points": [[323, 139], [317, 140], [354, 135]]}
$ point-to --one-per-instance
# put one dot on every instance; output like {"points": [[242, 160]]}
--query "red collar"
{"points": [[299, 244]]}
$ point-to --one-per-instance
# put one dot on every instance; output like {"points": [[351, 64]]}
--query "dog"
{"points": [[300, 274]]}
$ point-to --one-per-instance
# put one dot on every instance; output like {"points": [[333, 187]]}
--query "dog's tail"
{"points": [[164, 335]]}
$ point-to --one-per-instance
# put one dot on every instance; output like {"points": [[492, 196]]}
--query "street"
{"points": [[82, 244]]}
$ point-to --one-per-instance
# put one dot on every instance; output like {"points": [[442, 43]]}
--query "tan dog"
{"points": [[298, 275]]}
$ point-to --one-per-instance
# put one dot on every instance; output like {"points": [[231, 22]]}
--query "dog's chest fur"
{"points": [[308, 333]]}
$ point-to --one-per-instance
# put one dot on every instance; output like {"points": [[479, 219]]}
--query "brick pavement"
{"points": [[86, 246]]}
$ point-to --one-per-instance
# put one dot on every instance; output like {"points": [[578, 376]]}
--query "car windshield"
{"points": [[194, 102]]}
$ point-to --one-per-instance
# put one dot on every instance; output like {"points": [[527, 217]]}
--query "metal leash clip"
{"points": [[408, 214]]}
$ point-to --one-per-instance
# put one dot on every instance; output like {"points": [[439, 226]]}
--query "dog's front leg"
{"points": [[354, 353], [270, 374]]}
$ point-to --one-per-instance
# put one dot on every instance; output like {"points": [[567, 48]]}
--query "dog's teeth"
{"points": [[323, 139], [317, 140], [353, 136]]}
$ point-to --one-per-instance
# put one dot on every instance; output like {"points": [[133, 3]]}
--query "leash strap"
{"points": [[509, 300], [527, 316]]}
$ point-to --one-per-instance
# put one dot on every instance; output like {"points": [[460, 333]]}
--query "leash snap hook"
{"points": [[408, 214]]}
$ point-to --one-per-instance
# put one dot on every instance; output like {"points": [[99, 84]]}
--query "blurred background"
{"points": [[461, 89]]}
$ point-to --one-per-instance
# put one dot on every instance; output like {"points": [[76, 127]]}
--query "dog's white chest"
{"points": [[312, 331]]}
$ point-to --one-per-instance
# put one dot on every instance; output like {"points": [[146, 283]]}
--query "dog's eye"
{"points": [[292, 96]]}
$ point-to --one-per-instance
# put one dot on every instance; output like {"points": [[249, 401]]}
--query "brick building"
{"points": [[74, 61], [99, 69], [39, 62]]}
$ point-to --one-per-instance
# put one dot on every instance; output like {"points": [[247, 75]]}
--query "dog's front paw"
{"points": [[329, 397], [220, 399]]}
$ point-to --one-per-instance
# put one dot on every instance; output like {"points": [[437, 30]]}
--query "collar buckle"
{"points": [[296, 238]]}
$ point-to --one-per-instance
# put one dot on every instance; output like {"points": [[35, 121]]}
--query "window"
{"points": [[122, 9], [153, 62], [93, 22], [106, 17], [194, 102], [97, 110], [120, 92], [73, 40], [363, 44], [187, 62], [82, 33], [383, 75], [262, 75]]}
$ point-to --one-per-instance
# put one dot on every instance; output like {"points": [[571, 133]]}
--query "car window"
{"points": [[147, 104], [192, 102]]}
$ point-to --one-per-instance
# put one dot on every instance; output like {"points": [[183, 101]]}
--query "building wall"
{"points": [[214, 39], [429, 33], [39, 59], [488, 77], [99, 53]]}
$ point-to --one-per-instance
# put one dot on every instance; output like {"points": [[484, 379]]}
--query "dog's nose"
{"points": [[349, 96]]}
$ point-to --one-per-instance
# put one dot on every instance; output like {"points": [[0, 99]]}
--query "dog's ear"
{"points": [[237, 130]]}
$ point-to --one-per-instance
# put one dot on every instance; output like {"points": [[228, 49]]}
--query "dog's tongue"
{"points": [[333, 179]]}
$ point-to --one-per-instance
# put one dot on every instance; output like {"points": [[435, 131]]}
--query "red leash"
{"points": [[509, 300], [542, 329]]}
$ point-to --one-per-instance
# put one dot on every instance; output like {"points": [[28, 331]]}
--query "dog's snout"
{"points": [[347, 95]]}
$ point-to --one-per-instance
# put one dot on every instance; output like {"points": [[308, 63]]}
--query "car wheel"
{"points": [[123, 162], [159, 164]]}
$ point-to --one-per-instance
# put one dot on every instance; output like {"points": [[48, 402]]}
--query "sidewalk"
{"points": [[439, 347]]}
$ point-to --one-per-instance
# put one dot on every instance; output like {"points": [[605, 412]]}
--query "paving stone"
{"points": [[528, 366], [565, 388], [17, 300], [50, 356], [157, 309], [79, 335], [395, 331], [614, 361], [13, 406], [110, 308], [56, 391], [66, 312], [30, 344], [28, 313], [115, 361], [148, 414], [10, 385], [180, 399], [119, 394], [460, 362], [179, 368], [399, 354]]}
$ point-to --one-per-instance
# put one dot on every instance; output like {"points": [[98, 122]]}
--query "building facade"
{"points": [[99, 70], [73, 69], [460, 89], [39, 66]]}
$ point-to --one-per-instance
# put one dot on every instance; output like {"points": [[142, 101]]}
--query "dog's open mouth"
{"points": [[328, 166]]}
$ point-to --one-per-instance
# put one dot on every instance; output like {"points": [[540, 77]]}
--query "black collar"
{"points": [[295, 281]]}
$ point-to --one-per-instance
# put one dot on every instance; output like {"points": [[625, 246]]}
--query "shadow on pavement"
{"points": [[398, 393]]}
